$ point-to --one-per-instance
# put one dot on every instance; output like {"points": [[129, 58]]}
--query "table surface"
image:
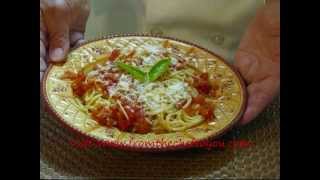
{"points": [[59, 159]]}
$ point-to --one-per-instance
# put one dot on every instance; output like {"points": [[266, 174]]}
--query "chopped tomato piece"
{"points": [[202, 84], [77, 82], [100, 87], [80, 87], [88, 85], [198, 99], [114, 54], [190, 110], [204, 76], [142, 126], [203, 87], [80, 77], [206, 112], [123, 124], [134, 113], [102, 116], [199, 105]]}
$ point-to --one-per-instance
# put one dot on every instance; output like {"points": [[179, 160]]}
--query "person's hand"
{"points": [[258, 60], [62, 25]]}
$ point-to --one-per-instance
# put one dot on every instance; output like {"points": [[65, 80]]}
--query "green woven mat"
{"points": [[261, 160]]}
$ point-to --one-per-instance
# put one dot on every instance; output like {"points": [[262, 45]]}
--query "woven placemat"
{"points": [[261, 160]]}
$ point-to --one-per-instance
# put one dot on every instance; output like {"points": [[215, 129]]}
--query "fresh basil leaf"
{"points": [[158, 69], [134, 71]]}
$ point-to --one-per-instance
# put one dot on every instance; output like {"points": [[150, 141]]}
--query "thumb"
{"points": [[58, 43], [260, 95]]}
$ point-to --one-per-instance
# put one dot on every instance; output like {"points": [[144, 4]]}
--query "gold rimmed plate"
{"points": [[62, 103]]}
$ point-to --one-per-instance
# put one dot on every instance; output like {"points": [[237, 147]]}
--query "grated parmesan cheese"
{"points": [[155, 97]]}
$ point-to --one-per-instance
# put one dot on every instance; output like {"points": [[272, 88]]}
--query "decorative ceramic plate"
{"points": [[145, 93]]}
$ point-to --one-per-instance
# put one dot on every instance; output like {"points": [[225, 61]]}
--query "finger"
{"points": [[43, 38], [43, 45], [41, 75], [75, 37], [58, 44], [43, 65], [57, 18], [43, 30], [42, 50], [80, 14], [259, 96], [271, 14], [78, 43], [256, 103]]}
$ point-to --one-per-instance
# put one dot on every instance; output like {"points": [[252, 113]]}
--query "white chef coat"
{"points": [[217, 25]]}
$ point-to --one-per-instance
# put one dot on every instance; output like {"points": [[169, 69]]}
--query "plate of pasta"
{"points": [[144, 93]]}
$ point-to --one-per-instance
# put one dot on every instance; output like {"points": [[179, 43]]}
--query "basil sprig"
{"points": [[154, 73], [134, 71], [158, 69]]}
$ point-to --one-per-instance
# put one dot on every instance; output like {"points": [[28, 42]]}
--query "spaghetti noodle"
{"points": [[145, 91]]}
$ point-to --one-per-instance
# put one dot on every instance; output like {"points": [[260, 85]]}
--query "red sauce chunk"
{"points": [[199, 105], [102, 116], [114, 54], [142, 126], [122, 122], [206, 112], [79, 86], [198, 100], [202, 84], [114, 116], [137, 118], [204, 76]]}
